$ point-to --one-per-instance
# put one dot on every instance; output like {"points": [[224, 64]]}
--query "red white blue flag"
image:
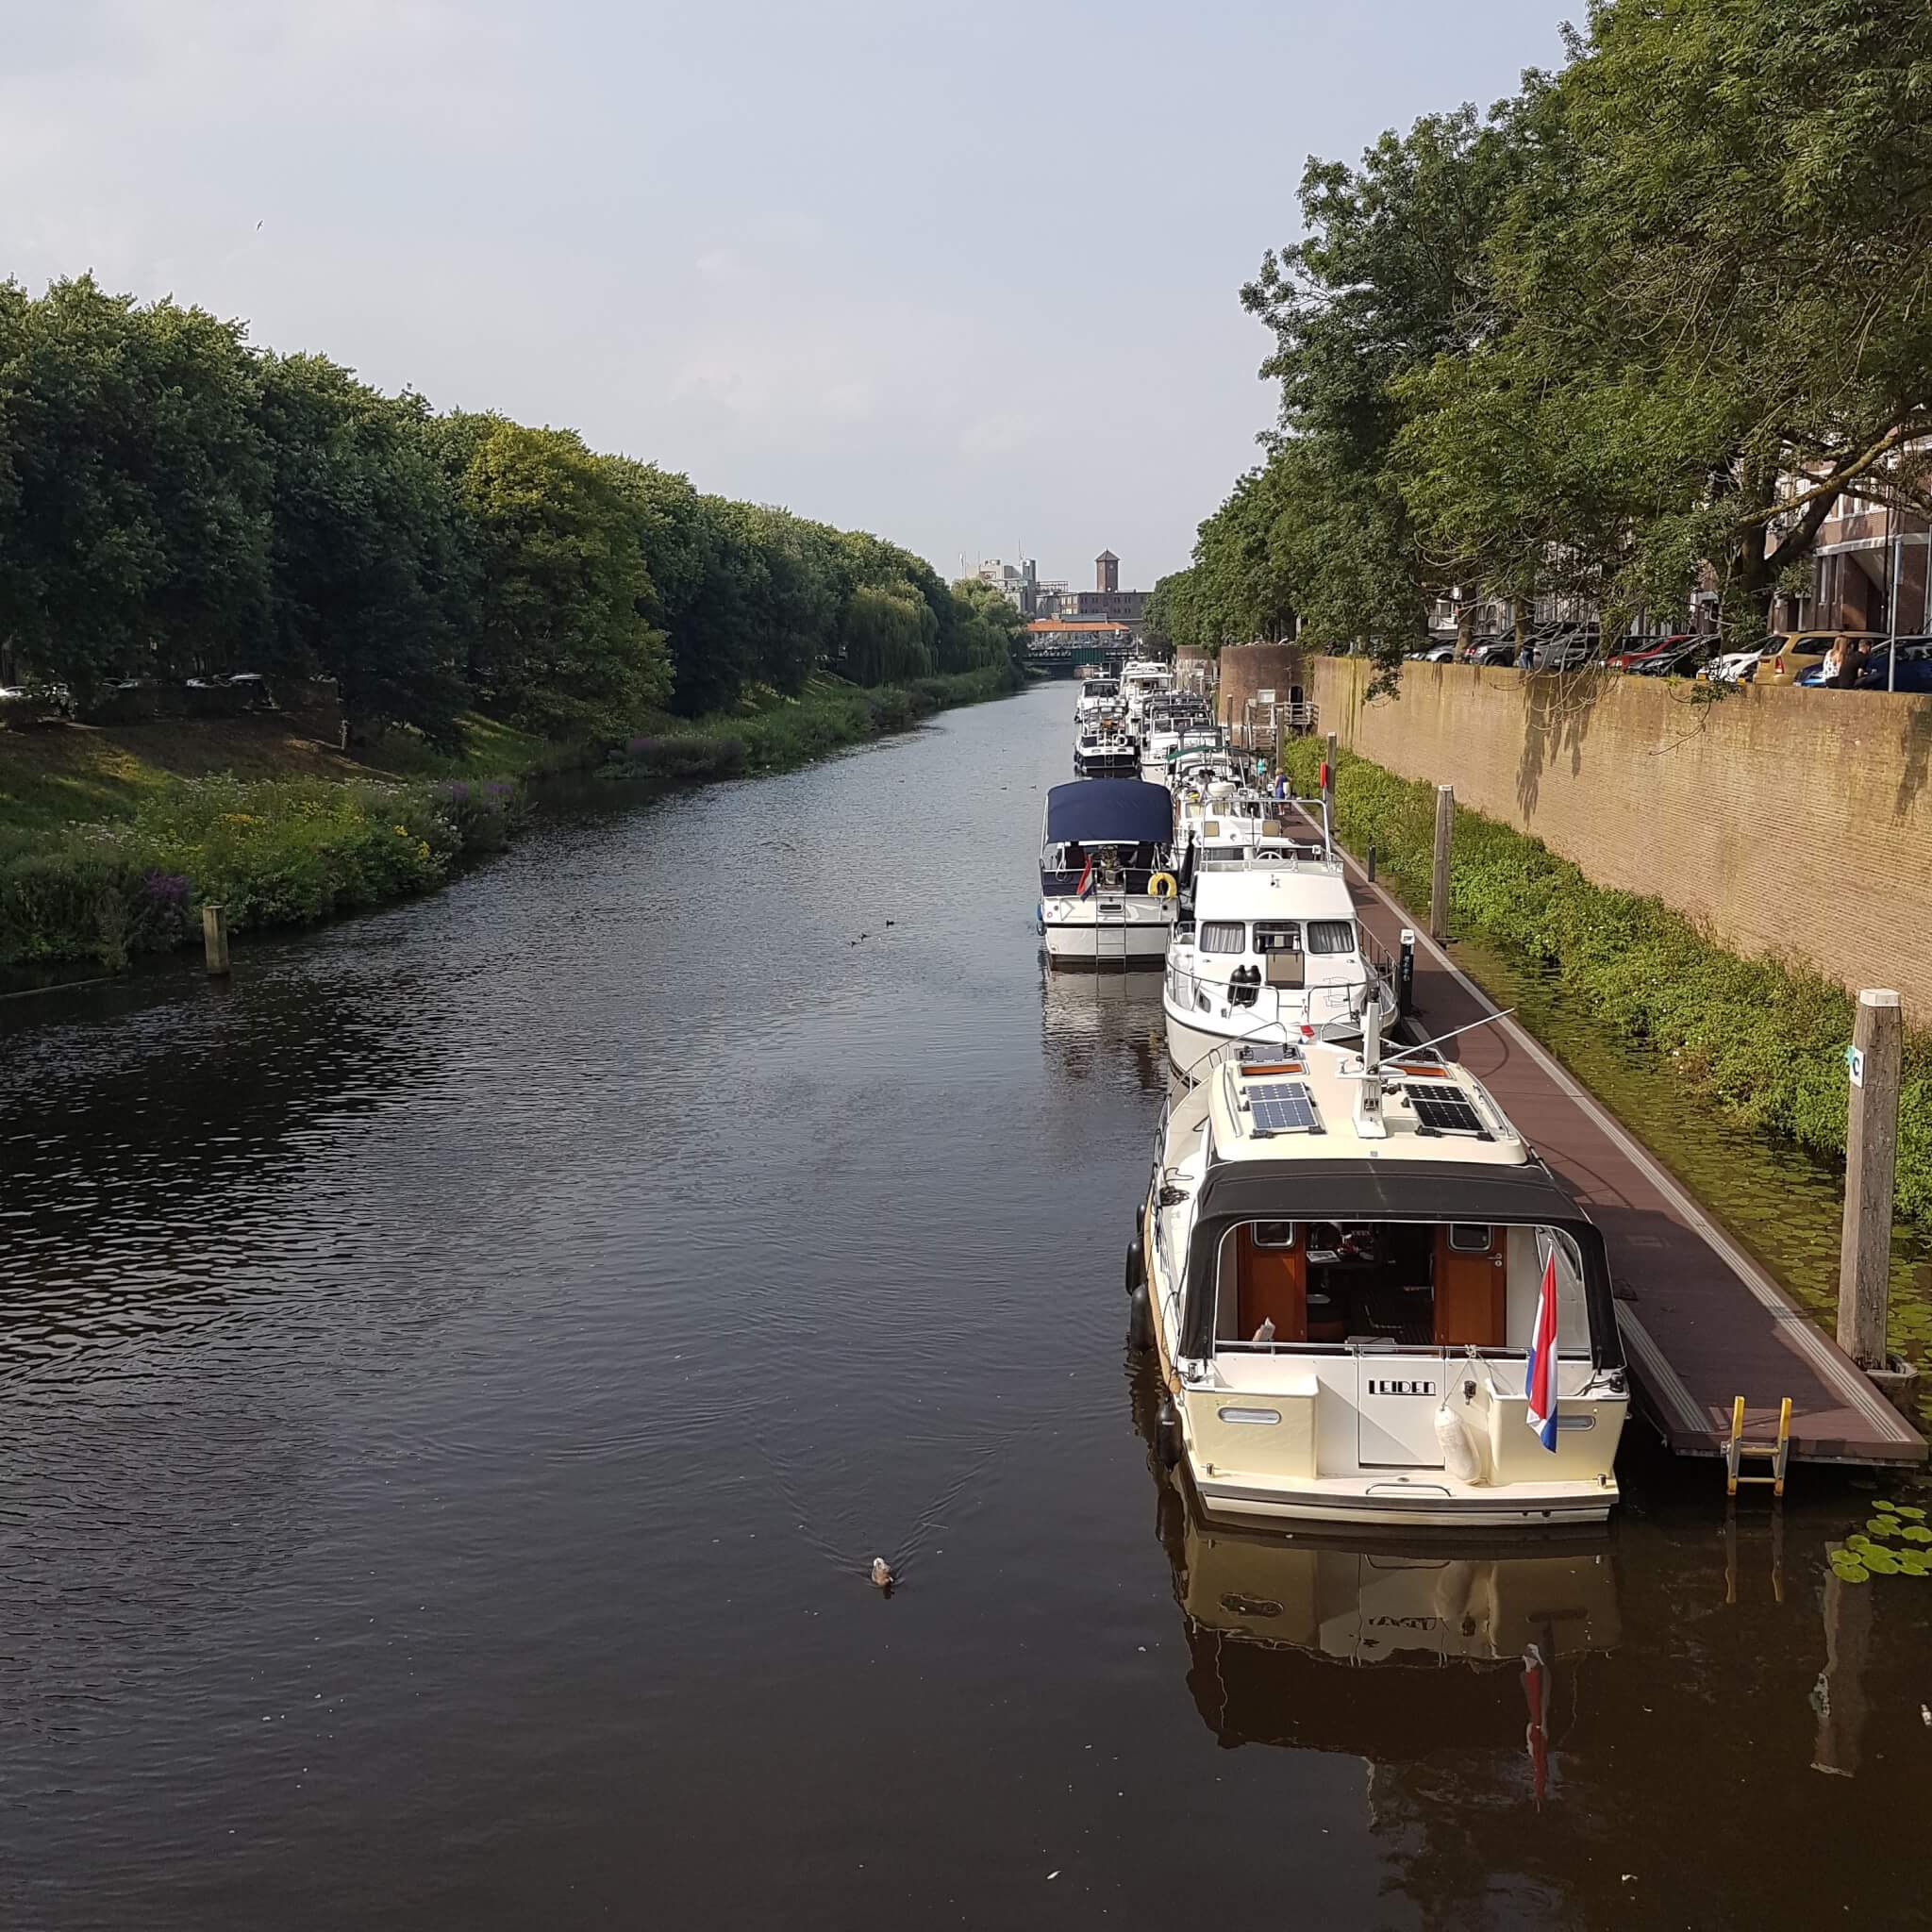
{"points": [[1086, 884], [1540, 1384]]}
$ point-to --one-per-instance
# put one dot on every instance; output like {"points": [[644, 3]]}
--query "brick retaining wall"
{"points": [[1790, 822]]}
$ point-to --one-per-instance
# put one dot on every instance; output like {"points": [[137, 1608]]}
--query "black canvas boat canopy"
{"points": [[1109, 811], [1235, 1192]]}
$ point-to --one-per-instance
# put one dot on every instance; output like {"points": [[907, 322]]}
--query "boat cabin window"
{"points": [[1277, 936], [1331, 936], [1223, 936], [1415, 1285]]}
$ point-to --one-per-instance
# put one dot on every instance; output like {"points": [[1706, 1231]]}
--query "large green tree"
{"points": [[370, 580], [135, 488], [1709, 316], [560, 643]]}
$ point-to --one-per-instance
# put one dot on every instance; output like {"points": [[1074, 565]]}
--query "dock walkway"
{"points": [[1702, 1322]]}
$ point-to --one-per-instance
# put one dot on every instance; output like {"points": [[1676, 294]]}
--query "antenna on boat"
{"points": [[1369, 1124], [1422, 1046]]}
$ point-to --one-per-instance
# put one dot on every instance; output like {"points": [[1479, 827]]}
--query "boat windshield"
{"points": [[1402, 1284]]}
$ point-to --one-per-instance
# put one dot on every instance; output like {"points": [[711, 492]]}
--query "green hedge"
{"points": [[274, 852], [1761, 1041], [773, 733]]}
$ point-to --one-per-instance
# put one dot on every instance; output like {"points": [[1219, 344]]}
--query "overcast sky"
{"points": [[966, 276]]}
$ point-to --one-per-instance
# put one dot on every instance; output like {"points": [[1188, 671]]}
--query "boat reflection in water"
{"points": [[1103, 1027], [1387, 1646]]}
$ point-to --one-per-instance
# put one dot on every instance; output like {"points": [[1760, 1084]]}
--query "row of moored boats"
{"points": [[1369, 1299]]}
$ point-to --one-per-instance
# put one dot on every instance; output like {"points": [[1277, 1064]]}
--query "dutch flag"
{"points": [[1086, 884], [1540, 1384]]}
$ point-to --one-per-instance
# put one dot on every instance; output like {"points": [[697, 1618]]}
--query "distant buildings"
{"points": [[1018, 584]]}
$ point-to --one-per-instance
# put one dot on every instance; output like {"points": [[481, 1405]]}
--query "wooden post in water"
{"points": [[1438, 877], [1864, 1267], [215, 933]]}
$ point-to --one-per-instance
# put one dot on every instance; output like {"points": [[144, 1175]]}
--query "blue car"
{"points": [[1915, 669]]}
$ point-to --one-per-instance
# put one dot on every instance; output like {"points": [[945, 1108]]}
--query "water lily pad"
{"points": [[1884, 1525], [1880, 1564], [1917, 1533], [1858, 1541], [1908, 1511], [1852, 1573]]}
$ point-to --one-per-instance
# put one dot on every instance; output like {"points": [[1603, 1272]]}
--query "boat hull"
{"points": [[1191, 1039], [1088, 934]]}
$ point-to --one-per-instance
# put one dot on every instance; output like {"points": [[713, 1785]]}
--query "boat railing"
{"points": [[1266, 1007]]}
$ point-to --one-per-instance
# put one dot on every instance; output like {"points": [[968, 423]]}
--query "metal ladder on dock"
{"points": [[1738, 1451]]}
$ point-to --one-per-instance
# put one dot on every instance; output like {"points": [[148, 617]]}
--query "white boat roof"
{"points": [[1259, 891], [1263, 1110]]}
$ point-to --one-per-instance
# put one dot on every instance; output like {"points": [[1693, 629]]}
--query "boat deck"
{"points": [[1703, 1323]]}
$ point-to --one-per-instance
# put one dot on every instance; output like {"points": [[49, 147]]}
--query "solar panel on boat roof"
{"points": [[1444, 1114], [1281, 1107]]}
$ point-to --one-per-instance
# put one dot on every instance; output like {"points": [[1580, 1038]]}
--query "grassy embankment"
{"points": [[111, 838], [1758, 1043]]}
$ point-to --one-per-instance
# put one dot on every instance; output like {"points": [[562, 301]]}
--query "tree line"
{"points": [[175, 503], [1643, 325]]}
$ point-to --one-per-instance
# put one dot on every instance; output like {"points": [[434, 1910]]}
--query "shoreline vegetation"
{"points": [[1756, 1043], [445, 602], [293, 850]]}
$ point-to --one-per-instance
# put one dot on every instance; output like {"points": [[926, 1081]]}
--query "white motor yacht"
{"points": [[1268, 951], [1099, 697], [1104, 747], [1167, 727], [1106, 886], [1352, 1269]]}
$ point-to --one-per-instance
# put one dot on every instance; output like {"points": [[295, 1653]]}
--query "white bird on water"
{"points": [[881, 1573]]}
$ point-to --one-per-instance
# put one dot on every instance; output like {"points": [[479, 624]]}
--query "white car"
{"points": [[46, 697], [1733, 667]]}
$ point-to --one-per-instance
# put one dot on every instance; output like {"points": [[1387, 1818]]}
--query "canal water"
{"points": [[456, 1377]]}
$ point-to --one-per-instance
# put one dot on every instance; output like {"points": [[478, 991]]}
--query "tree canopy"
{"points": [[173, 502], [1653, 317]]}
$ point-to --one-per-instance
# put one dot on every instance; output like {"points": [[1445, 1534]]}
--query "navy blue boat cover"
{"points": [[1109, 811]]}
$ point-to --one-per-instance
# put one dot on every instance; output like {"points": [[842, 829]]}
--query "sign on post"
{"points": [[1855, 1064]]}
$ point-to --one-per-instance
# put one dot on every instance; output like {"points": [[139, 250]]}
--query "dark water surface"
{"points": [[454, 1379]]}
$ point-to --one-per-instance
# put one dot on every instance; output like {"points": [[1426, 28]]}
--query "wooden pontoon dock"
{"points": [[1702, 1322]]}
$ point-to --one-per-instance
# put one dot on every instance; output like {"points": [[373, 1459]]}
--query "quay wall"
{"points": [[1246, 668], [1797, 823]]}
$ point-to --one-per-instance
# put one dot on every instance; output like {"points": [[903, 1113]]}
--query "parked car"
{"points": [[1684, 660], [1914, 673], [1797, 651], [1737, 667], [1567, 650], [1643, 651], [39, 698], [1436, 653], [1497, 652]]}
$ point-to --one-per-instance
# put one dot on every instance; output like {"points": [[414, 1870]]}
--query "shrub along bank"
{"points": [[272, 851], [1761, 1041], [772, 732], [293, 850]]}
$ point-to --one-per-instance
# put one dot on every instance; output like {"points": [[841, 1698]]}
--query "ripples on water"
{"points": [[456, 1375]]}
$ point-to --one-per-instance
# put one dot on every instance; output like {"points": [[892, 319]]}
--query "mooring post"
{"points": [[215, 933], [1369, 864], [1438, 877], [1864, 1268], [1404, 975]]}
